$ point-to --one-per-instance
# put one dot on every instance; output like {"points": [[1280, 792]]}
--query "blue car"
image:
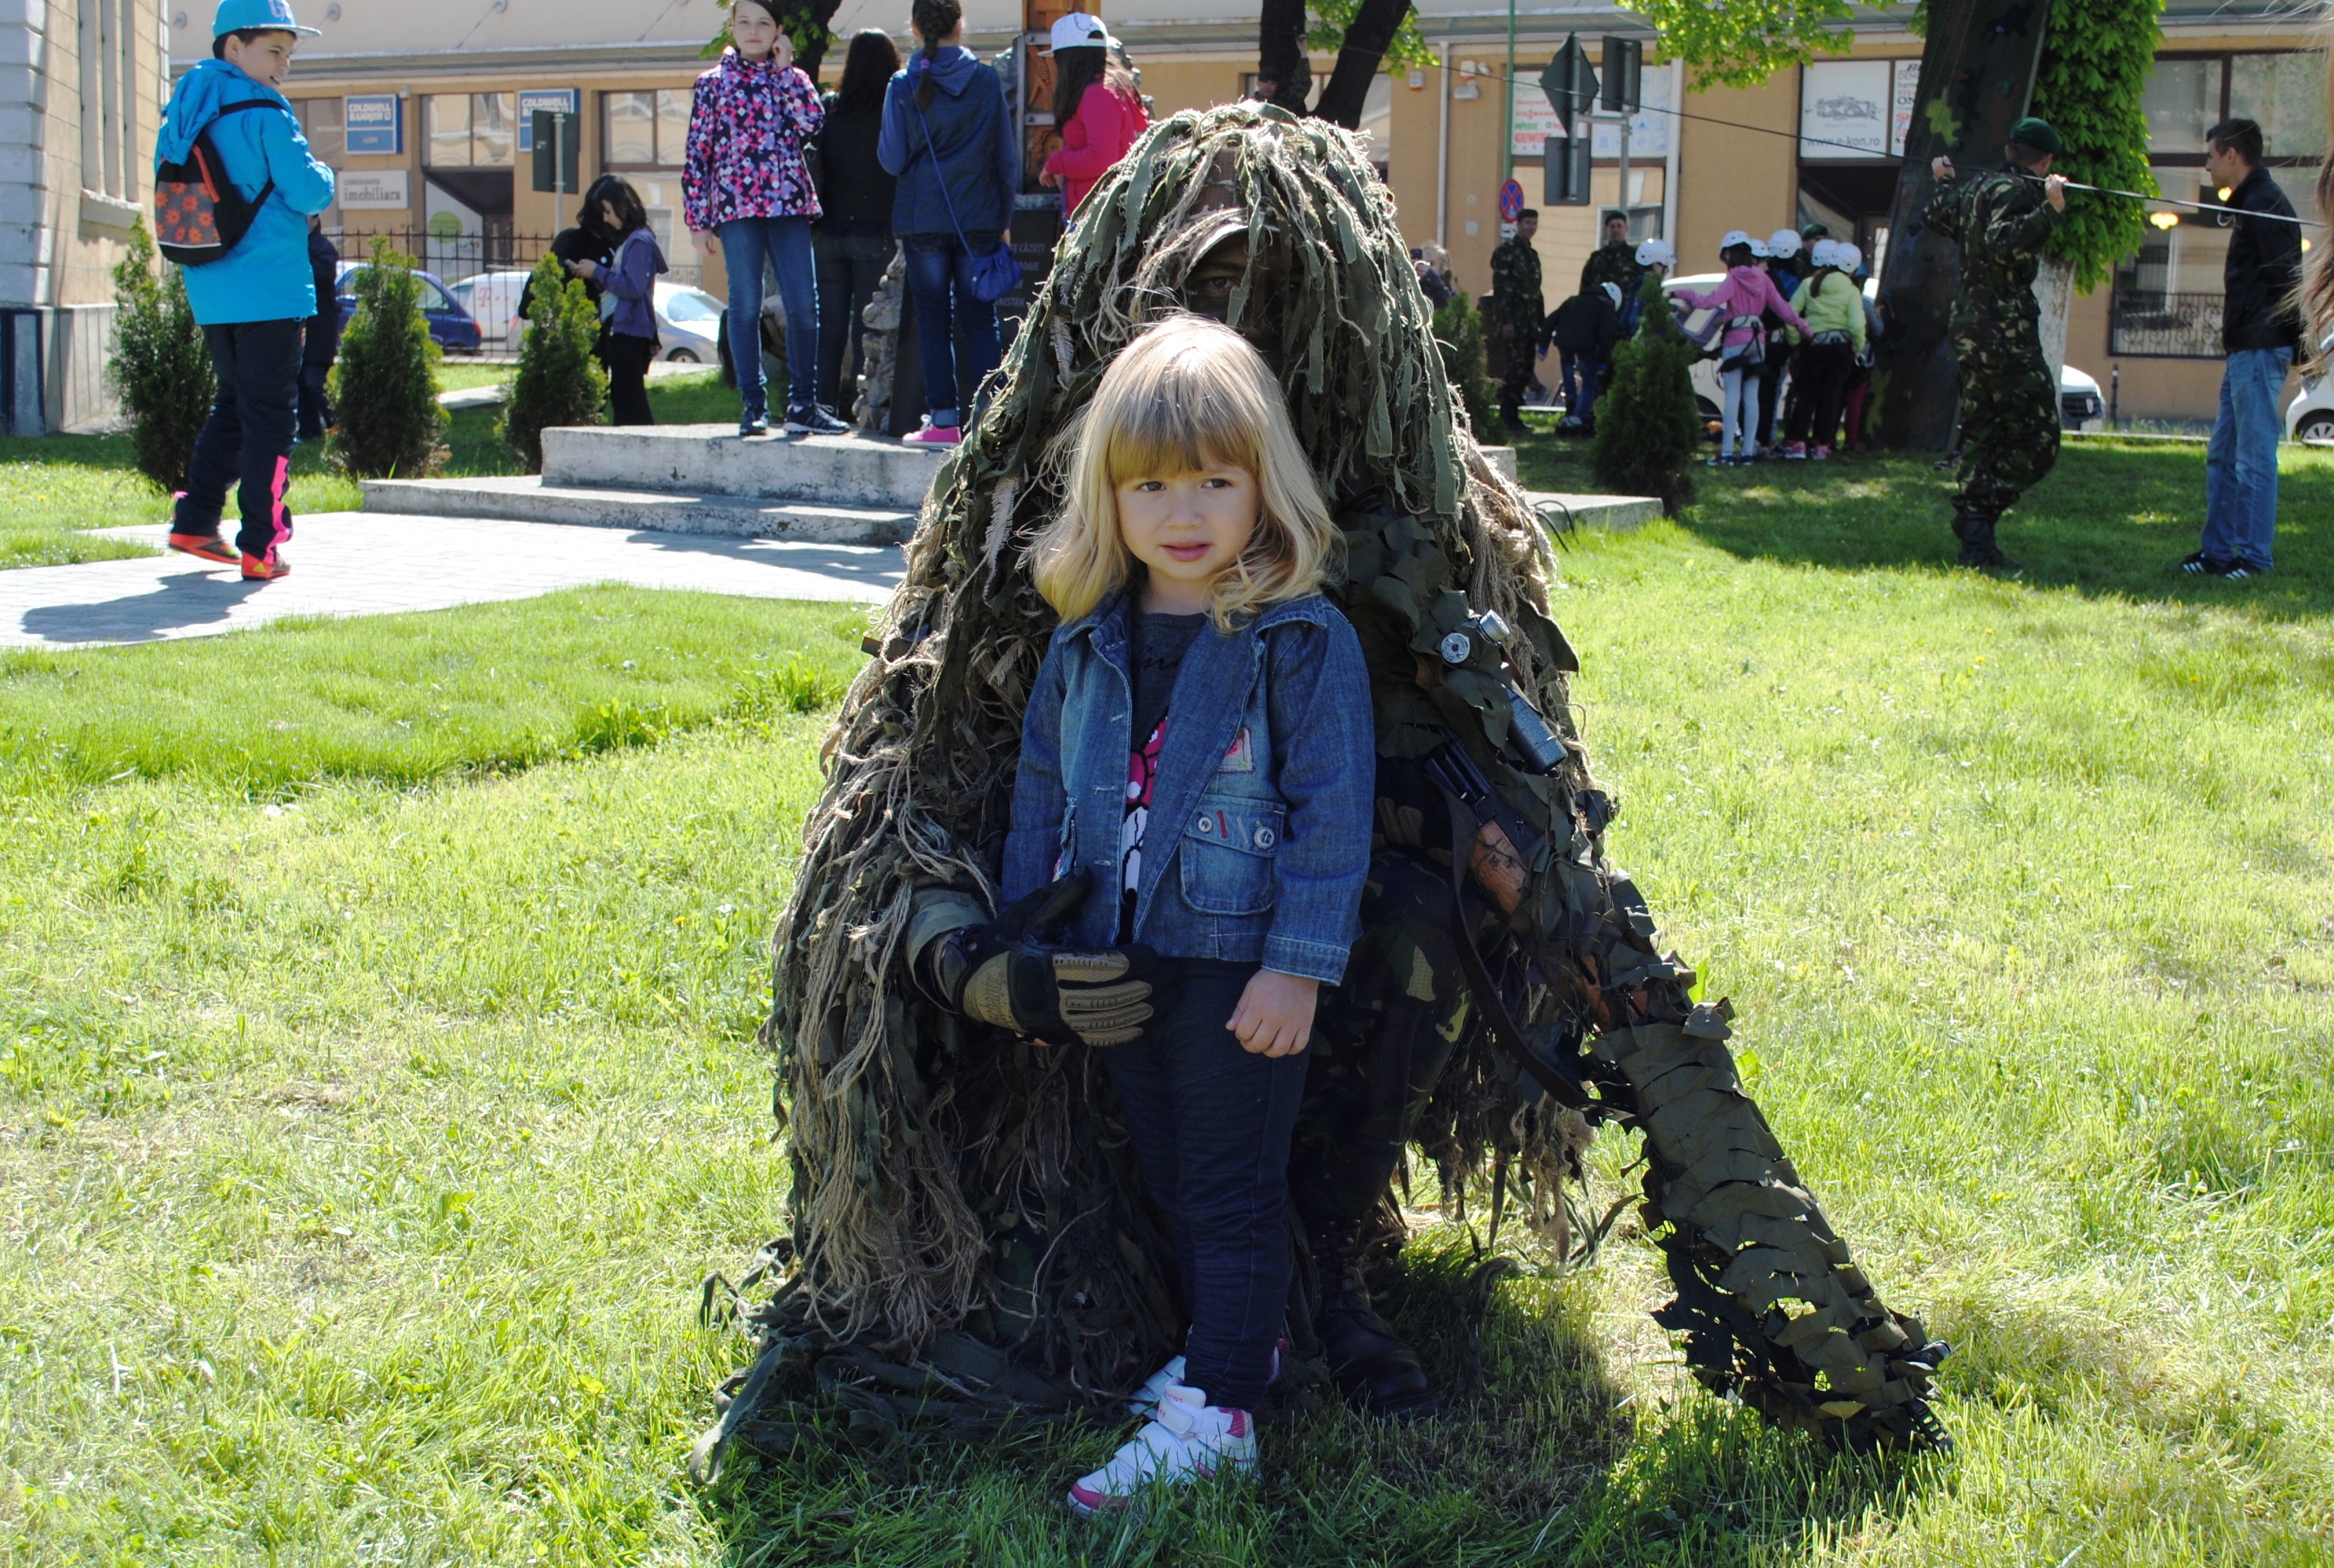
{"points": [[451, 325]]}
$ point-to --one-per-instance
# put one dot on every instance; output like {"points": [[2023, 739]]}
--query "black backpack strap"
{"points": [[225, 109]]}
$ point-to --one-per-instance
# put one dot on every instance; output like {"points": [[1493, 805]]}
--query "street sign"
{"points": [[556, 151], [1625, 60], [1566, 181], [1511, 201], [1570, 83], [556, 100]]}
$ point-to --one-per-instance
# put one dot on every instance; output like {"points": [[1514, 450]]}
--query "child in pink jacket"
{"points": [[1740, 301], [1095, 104]]}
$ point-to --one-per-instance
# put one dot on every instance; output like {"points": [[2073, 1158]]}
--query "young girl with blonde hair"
{"points": [[1198, 742]]}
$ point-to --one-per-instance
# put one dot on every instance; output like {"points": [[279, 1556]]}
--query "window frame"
{"points": [[657, 120]]}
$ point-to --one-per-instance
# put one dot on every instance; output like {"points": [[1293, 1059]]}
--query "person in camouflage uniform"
{"points": [[2008, 399], [1518, 314], [969, 1244], [1613, 261]]}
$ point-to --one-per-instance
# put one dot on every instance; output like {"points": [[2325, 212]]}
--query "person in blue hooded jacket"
{"points": [[252, 303], [946, 138]]}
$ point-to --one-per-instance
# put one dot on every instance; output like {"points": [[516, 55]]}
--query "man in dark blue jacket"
{"points": [[2260, 328], [253, 301], [320, 342]]}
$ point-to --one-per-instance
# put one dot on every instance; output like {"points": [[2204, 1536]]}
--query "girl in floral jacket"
{"points": [[746, 181]]}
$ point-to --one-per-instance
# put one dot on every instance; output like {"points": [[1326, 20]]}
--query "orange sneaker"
{"points": [[265, 568], [208, 547]]}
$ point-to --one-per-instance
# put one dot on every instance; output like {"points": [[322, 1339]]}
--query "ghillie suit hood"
{"points": [[957, 1191]]}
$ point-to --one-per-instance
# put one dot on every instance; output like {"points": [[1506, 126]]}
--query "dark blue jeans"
{"points": [[784, 243], [247, 442], [939, 279], [2241, 461], [850, 267], [1579, 373], [1210, 1124]]}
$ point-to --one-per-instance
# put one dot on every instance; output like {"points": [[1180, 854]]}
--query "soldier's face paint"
{"points": [[1208, 287]]}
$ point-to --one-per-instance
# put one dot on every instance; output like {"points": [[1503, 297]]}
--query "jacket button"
{"points": [[1264, 838]]}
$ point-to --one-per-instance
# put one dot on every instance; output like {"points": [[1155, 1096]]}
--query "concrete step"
{"points": [[713, 460], [1613, 513], [528, 499]]}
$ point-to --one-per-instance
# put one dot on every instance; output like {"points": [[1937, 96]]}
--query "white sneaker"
{"points": [[1154, 1388], [1189, 1441]]}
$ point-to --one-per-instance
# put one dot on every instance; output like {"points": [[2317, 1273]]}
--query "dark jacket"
{"points": [[854, 190], [321, 345], [584, 242], [970, 147], [1586, 323], [2262, 270]]}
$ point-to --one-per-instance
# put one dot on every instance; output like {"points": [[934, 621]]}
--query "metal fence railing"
{"points": [[452, 259], [2166, 326]]}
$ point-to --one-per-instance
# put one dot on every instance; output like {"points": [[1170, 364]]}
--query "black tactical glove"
{"points": [[1000, 975]]}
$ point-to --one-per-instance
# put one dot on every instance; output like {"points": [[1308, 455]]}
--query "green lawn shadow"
{"points": [[1538, 1455], [2110, 520]]}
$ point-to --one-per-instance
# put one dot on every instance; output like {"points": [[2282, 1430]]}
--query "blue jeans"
{"points": [[2240, 463], [1579, 375], [784, 243], [939, 280], [1211, 1124], [247, 442]]}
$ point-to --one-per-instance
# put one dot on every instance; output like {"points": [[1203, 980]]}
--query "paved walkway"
{"points": [[367, 563]]}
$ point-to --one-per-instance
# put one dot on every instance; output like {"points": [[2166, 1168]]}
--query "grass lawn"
{"points": [[377, 1082], [63, 492]]}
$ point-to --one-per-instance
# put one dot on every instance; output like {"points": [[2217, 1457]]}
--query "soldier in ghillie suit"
{"points": [[970, 1240], [2010, 403], [1613, 261], [1518, 314]]}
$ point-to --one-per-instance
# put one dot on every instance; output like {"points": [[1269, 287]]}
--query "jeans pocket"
{"points": [[1229, 848]]}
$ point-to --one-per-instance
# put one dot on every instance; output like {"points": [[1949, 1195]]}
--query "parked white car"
{"points": [[2080, 406], [688, 323], [492, 298], [2311, 416]]}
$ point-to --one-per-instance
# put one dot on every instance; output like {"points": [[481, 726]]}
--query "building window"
{"points": [[471, 130], [2168, 294], [321, 122], [107, 43], [644, 129]]}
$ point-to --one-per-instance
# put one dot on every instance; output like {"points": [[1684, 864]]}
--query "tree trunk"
{"points": [[1977, 75], [2054, 292], [809, 59], [1373, 30], [1280, 63]]}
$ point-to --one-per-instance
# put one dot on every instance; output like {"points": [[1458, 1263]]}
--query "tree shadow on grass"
{"points": [[2111, 520], [1537, 1456]]}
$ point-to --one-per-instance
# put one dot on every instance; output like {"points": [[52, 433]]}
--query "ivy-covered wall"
{"points": [[2095, 60]]}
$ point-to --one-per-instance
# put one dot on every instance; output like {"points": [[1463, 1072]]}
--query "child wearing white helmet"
{"points": [[1833, 307], [1741, 301], [1785, 266]]}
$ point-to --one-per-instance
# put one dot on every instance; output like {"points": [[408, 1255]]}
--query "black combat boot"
{"points": [[1368, 1360], [1975, 530]]}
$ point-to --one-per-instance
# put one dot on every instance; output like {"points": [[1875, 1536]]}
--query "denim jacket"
{"points": [[1259, 837]]}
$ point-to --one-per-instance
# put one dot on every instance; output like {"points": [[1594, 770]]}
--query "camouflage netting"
{"points": [[968, 1233]]}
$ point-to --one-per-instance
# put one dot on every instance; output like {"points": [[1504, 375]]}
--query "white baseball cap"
{"points": [[1656, 253], [1783, 242], [1078, 31], [1733, 237]]}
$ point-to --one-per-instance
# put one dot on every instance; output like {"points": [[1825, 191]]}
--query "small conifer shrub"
{"points": [[385, 383], [559, 382], [1648, 426], [161, 368], [1459, 333]]}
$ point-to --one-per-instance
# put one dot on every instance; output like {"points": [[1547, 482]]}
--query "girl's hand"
{"points": [[1275, 1015], [584, 269], [706, 241]]}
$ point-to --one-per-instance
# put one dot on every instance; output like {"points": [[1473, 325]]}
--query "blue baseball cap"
{"points": [[272, 16]]}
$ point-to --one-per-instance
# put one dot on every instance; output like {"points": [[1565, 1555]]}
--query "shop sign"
{"points": [[372, 189], [568, 100], [375, 124], [1844, 107]]}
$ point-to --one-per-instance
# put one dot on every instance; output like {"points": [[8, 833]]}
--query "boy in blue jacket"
{"points": [[252, 301]]}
